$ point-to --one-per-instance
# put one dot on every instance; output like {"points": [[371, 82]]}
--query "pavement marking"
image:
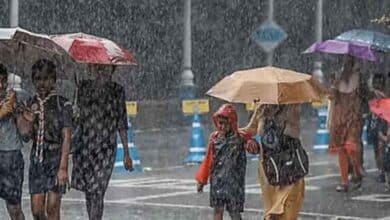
{"points": [[373, 198], [187, 185], [136, 202], [261, 211], [321, 163], [118, 181], [326, 176], [163, 195]]}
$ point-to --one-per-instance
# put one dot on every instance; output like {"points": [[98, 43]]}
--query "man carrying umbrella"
{"points": [[12, 164]]}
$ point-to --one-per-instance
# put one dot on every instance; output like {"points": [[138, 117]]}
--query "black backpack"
{"points": [[285, 161]]}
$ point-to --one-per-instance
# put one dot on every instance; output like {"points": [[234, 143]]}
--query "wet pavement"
{"points": [[167, 191]]}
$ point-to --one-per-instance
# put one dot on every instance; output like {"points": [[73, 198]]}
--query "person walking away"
{"points": [[384, 142], [377, 91], [102, 115], [225, 164]]}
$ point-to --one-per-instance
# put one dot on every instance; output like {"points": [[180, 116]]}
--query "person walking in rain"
{"points": [[377, 87], [50, 117], [346, 124], [12, 163], [283, 199], [102, 115], [384, 145], [225, 163]]}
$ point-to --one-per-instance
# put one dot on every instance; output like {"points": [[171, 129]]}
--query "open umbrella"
{"points": [[381, 107], [13, 37], [377, 41], [85, 48], [20, 48], [269, 85], [359, 50]]}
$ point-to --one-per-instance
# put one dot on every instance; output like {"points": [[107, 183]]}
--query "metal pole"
{"points": [[270, 54], [14, 13], [317, 73], [187, 77]]}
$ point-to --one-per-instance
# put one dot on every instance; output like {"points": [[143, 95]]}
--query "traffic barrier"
{"points": [[322, 135], [197, 143]]}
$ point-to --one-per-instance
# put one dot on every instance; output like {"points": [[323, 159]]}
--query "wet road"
{"points": [[168, 190]]}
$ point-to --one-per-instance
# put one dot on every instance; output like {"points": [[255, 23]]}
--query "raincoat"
{"points": [[225, 164], [282, 201]]}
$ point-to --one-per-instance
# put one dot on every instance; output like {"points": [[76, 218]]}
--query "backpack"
{"points": [[285, 161]]}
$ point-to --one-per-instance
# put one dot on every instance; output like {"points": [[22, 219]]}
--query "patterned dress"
{"points": [[346, 120], [102, 114]]}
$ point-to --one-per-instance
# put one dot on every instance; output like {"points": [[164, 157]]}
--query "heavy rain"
{"points": [[194, 109]]}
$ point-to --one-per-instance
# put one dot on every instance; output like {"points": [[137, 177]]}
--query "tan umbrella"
{"points": [[269, 85]]}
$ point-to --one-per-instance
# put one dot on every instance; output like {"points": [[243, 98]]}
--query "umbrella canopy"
{"points": [[84, 48], [269, 85], [20, 48], [377, 41], [381, 107], [362, 51]]}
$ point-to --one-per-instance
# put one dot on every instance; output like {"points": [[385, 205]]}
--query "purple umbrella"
{"points": [[361, 51]]}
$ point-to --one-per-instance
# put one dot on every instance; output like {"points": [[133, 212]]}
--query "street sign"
{"points": [[269, 35], [199, 105], [131, 108]]}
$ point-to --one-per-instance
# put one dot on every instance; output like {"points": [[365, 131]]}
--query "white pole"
{"points": [[187, 77], [270, 54], [317, 73], [14, 13]]}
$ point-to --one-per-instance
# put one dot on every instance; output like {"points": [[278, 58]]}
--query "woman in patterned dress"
{"points": [[102, 115], [346, 124]]}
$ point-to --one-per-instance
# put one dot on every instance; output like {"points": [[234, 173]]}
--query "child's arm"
{"points": [[252, 126], [203, 172], [251, 146], [8, 106], [62, 175], [63, 170]]}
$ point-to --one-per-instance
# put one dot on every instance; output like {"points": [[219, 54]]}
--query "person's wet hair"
{"points": [[3, 70], [44, 65]]}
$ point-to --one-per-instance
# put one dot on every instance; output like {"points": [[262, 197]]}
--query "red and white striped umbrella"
{"points": [[85, 48]]}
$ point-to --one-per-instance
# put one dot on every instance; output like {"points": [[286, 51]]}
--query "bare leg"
{"points": [[38, 206], [235, 216], [15, 211], [218, 214], [53, 206]]}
